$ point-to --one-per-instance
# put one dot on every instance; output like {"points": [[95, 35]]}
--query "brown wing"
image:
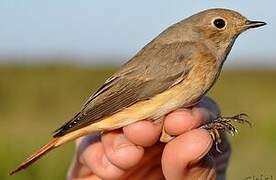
{"points": [[150, 72]]}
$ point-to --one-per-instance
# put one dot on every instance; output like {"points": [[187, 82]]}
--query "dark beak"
{"points": [[254, 24]]}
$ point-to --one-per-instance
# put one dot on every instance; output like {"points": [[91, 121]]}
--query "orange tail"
{"points": [[33, 158]]}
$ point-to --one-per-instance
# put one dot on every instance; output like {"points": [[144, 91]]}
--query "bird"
{"points": [[176, 69]]}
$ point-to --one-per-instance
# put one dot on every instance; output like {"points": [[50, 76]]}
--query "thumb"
{"points": [[181, 156]]}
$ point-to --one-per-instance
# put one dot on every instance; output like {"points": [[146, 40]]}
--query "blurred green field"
{"points": [[35, 100]]}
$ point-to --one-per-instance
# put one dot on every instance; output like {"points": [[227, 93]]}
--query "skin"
{"points": [[135, 150]]}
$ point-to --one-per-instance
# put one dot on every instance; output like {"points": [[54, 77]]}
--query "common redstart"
{"points": [[176, 69]]}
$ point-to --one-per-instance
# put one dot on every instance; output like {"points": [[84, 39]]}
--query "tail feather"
{"points": [[33, 158]]}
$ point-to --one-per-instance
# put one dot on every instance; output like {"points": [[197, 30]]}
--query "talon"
{"points": [[222, 124], [248, 123], [243, 114], [241, 119], [213, 136], [230, 128], [218, 139], [217, 148]]}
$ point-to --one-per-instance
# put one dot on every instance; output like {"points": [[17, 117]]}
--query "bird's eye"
{"points": [[219, 23]]}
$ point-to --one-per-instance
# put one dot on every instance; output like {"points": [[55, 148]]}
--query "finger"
{"points": [[143, 133], [78, 169], [184, 151], [147, 167], [120, 151], [94, 158], [183, 120]]}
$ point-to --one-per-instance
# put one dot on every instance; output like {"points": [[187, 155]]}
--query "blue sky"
{"points": [[88, 28]]}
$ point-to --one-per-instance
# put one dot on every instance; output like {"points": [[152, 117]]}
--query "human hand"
{"points": [[135, 150]]}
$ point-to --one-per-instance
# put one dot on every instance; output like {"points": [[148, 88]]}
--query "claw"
{"points": [[218, 139], [229, 128], [217, 147], [242, 119], [212, 136], [241, 115], [248, 123], [224, 124]]}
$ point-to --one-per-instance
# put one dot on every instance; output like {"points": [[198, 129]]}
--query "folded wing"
{"points": [[152, 71]]}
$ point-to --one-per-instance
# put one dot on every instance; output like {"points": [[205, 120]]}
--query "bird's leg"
{"points": [[224, 124]]}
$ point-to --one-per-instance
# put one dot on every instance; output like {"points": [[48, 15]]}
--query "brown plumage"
{"points": [[43, 150], [174, 70]]}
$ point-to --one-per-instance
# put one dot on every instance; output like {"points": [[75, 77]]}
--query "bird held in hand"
{"points": [[176, 69]]}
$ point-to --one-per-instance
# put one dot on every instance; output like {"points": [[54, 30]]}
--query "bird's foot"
{"points": [[224, 124]]}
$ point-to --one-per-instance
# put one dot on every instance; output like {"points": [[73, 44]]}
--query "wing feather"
{"points": [[149, 73]]}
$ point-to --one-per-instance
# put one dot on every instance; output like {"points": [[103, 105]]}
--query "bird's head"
{"points": [[219, 27]]}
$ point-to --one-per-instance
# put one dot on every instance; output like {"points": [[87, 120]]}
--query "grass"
{"points": [[34, 100]]}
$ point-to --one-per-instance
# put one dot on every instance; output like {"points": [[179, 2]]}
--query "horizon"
{"points": [[87, 29]]}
